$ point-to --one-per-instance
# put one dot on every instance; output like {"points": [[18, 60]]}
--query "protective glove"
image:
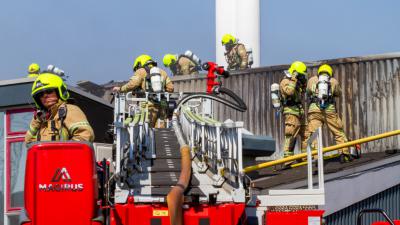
{"points": [[39, 118], [302, 80], [39, 115]]}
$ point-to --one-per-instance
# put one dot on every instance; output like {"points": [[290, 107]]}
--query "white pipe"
{"points": [[241, 18], [225, 23], [248, 26]]}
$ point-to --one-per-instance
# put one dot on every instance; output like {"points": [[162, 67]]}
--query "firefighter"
{"points": [[322, 91], [185, 64], [144, 68], [33, 70], [236, 55], [292, 87], [54, 119]]}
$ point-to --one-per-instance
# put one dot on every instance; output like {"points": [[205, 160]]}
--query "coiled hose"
{"points": [[238, 103], [175, 197]]}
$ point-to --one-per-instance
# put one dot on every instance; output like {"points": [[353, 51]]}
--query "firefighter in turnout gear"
{"points": [[322, 91], [291, 88], [33, 70], [55, 120], [186, 64], [236, 55], [144, 69]]}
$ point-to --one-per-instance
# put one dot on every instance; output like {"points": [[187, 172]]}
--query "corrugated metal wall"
{"points": [[369, 103], [388, 200]]}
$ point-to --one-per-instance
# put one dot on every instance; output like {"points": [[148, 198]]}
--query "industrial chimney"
{"points": [[241, 18]]}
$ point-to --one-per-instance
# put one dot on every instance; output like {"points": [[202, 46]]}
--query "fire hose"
{"points": [[176, 194], [237, 105], [175, 197], [214, 89]]}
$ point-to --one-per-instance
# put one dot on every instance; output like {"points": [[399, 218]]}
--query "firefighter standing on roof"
{"points": [[236, 55], [322, 91], [186, 64], [292, 88], [55, 119], [33, 70], [143, 67]]}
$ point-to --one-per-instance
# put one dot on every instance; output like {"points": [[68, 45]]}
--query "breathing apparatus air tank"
{"points": [[155, 79], [193, 57], [275, 96], [249, 51], [56, 70], [323, 90]]}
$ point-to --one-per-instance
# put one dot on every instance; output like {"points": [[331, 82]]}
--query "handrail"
{"points": [[380, 211], [324, 150], [217, 143], [199, 119]]}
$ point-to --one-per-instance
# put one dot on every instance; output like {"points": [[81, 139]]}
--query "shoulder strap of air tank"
{"points": [[62, 114]]}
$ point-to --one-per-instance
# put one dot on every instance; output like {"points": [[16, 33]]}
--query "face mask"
{"points": [[302, 78], [173, 67], [228, 47]]}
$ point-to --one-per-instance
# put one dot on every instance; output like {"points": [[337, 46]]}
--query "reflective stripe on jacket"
{"points": [[75, 126], [290, 92]]}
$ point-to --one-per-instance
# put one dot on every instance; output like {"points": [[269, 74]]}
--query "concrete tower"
{"points": [[241, 18]]}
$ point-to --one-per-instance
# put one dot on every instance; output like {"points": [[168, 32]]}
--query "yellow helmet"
{"points": [[228, 39], [48, 81], [169, 59], [142, 61], [325, 69], [34, 68], [298, 67]]}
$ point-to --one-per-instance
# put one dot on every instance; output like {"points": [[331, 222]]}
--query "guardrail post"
{"points": [[219, 177], [240, 155], [320, 161], [119, 117]]}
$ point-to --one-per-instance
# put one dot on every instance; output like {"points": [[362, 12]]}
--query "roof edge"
{"points": [[16, 81]]}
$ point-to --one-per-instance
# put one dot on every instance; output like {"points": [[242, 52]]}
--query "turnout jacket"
{"points": [[72, 124]]}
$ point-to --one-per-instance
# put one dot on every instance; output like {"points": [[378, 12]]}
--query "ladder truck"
{"points": [[189, 173]]}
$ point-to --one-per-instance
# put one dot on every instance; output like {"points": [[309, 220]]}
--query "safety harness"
{"points": [[329, 100], [234, 62], [290, 101], [62, 114]]}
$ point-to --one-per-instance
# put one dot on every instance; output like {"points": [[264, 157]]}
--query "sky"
{"points": [[98, 40]]}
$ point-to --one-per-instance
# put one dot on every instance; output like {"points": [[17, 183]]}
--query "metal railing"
{"points": [[309, 196], [132, 133], [378, 211], [324, 150], [216, 145]]}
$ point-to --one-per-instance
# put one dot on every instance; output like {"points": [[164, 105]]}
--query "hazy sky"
{"points": [[98, 40]]}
